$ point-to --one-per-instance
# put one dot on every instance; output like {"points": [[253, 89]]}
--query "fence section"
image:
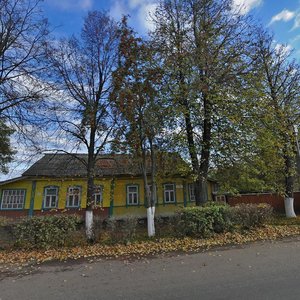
{"points": [[275, 200]]}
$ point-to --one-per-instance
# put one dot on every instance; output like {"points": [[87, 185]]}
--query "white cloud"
{"points": [[144, 15], [297, 22], [118, 9], [285, 15], [71, 4], [283, 49], [85, 4], [133, 4], [139, 10], [244, 6], [295, 39]]}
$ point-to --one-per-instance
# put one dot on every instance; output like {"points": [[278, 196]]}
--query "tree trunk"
{"points": [[151, 208], [289, 188], [203, 190], [148, 194], [205, 151], [89, 215], [192, 152]]}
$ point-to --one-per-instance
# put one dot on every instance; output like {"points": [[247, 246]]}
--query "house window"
{"points": [[132, 195], [73, 197], [169, 193], [220, 198], [98, 196], [192, 192], [13, 199], [50, 197]]}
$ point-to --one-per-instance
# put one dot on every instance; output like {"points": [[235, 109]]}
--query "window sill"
{"points": [[12, 208], [72, 207]]}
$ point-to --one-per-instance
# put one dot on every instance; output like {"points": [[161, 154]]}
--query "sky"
{"points": [[281, 17]]}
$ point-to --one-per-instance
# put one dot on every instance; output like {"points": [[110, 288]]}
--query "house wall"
{"points": [[63, 185], [118, 207], [121, 207]]}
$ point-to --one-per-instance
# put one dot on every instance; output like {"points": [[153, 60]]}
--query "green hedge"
{"points": [[201, 222], [204, 221], [213, 218], [45, 231]]}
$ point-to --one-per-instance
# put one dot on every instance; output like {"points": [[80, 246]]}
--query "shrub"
{"points": [[122, 229], [251, 215], [167, 225], [45, 231], [4, 221], [6, 239], [204, 221], [214, 203]]}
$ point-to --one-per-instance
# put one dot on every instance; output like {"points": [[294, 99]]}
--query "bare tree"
{"points": [[82, 73], [23, 31]]}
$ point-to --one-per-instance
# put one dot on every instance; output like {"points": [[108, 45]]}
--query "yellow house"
{"points": [[57, 183]]}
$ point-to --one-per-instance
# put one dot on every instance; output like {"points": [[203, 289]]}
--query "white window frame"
{"points": [[192, 192], [13, 199], [71, 196], [130, 195], [220, 198], [52, 196], [98, 193], [169, 193]]}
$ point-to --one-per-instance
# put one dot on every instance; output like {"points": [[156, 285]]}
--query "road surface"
{"points": [[269, 270]]}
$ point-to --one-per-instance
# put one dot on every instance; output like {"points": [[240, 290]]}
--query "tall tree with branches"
{"points": [[205, 47], [137, 99], [23, 32], [277, 107], [82, 73]]}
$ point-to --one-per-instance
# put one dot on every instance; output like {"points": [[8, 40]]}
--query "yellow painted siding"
{"points": [[120, 206], [64, 185], [120, 197]]}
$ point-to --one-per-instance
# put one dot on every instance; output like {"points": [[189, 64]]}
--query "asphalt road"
{"points": [[257, 271]]}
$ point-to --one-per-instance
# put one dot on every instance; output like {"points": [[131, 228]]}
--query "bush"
{"points": [[204, 221], [121, 229], [45, 231], [251, 215], [4, 221], [6, 238], [214, 203], [167, 225]]}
